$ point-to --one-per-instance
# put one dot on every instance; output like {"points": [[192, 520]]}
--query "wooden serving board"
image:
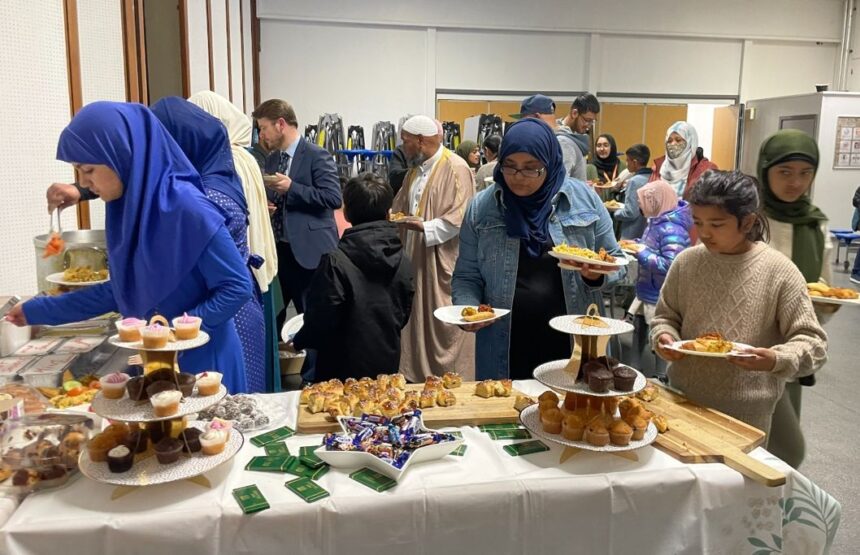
{"points": [[469, 410], [701, 435]]}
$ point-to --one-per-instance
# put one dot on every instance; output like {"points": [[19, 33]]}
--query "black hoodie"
{"points": [[359, 300]]}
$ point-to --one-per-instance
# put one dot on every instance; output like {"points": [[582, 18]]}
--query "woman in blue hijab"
{"points": [[507, 234], [168, 248], [204, 141]]}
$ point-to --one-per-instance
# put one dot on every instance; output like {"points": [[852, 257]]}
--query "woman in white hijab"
{"points": [[261, 240], [684, 161]]}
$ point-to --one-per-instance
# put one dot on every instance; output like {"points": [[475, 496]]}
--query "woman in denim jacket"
{"points": [[506, 235]]}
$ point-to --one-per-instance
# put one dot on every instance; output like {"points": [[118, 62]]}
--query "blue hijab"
{"points": [[163, 221], [527, 217], [204, 141]]}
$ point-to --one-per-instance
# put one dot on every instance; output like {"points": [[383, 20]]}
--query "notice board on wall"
{"points": [[847, 152]]}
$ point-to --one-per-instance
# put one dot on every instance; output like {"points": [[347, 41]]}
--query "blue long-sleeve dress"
{"points": [[216, 288]]}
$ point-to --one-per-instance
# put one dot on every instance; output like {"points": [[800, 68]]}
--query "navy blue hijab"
{"points": [[158, 228], [527, 217], [203, 139]]}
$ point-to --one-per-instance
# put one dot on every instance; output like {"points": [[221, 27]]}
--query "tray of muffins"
{"points": [[160, 395], [132, 455], [590, 423], [158, 335], [601, 377]]}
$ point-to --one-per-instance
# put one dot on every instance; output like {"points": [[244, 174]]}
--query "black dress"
{"points": [[538, 298]]}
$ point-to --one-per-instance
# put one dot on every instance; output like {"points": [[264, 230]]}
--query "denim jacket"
{"points": [[486, 270]]}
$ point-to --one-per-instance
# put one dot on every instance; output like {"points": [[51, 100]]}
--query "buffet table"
{"points": [[484, 502]]}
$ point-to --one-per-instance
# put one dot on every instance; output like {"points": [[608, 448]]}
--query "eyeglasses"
{"points": [[528, 174]]}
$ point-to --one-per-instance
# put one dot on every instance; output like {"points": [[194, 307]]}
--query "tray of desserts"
{"points": [[158, 335], [577, 324], [591, 423], [603, 377], [160, 395], [247, 413], [129, 457], [168, 345]]}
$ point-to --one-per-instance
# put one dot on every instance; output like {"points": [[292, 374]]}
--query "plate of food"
{"points": [[600, 433], [403, 218], [613, 205], [79, 275], [572, 253], [711, 345], [459, 314], [630, 246], [823, 293]]}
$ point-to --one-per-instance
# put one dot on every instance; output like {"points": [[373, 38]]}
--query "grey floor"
{"points": [[831, 417]]}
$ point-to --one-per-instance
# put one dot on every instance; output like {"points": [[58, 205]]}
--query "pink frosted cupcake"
{"points": [[208, 383], [154, 336], [113, 385], [187, 327], [129, 329]]}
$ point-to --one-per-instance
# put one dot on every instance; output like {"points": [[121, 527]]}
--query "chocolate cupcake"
{"points": [[623, 378], [137, 441], [155, 388], [162, 375], [190, 439], [158, 430], [120, 459], [600, 380], [167, 450], [186, 383], [590, 367], [136, 388], [608, 362]]}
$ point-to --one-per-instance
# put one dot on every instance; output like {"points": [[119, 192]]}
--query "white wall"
{"points": [[34, 109], [218, 13], [198, 45], [765, 122], [729, 49], [835, 188]]}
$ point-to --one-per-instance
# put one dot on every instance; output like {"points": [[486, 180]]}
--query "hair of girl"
{"points": [[735, 192]]}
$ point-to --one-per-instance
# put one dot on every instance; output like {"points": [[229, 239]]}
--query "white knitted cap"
{"points": [[421, 125]]}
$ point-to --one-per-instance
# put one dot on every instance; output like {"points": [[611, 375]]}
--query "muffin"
{"points": [[639, 426], [596, 434], [154, 336], [118, 430], [551, 421], [190, 439], [155, 388], [167, 450], [187, 327], [600, 380], [186, 383], [573, 427], [129, 329], [213, 441], [99, 446], [208, 383], [620, 433], [548, 395], [165, 403], [120, 459], [623, 378], [113, 385], [588, 368], [136, 388], [571, 401], [608, 362], [626, 406]]}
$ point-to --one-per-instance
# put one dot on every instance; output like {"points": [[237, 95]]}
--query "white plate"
{"points": [[634, 248], [451, 314], [126, 410], [530, 417], [676, 346], [552, 374], [620, 260], [149, 471], [292, 327], [57, 278], [178, 345], [619, 206], [832, 300], [276, 411], [358, 459], [407, 219], [568, 324]]}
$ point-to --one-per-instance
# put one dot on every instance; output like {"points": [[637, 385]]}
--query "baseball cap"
{"points": [[535, 104]]}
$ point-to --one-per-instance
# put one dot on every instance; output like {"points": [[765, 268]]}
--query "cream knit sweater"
{"points": [[758, 298]]}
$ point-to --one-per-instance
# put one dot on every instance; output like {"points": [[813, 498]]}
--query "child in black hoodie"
{"points": [[360, 297]]}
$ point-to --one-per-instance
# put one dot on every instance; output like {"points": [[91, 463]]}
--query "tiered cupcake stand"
{"points": [[146, 469], [591, 334]]}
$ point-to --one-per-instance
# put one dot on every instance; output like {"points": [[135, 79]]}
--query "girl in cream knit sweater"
{"points": [[734, 284]]}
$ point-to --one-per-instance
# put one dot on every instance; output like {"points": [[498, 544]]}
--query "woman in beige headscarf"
{"points": [[261, 239]]}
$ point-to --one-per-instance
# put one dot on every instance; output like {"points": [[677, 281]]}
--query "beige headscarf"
{"points": [[261, 239], [657, 197]]}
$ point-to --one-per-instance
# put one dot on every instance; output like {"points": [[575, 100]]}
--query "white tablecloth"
{"points": [[484, 502]]}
